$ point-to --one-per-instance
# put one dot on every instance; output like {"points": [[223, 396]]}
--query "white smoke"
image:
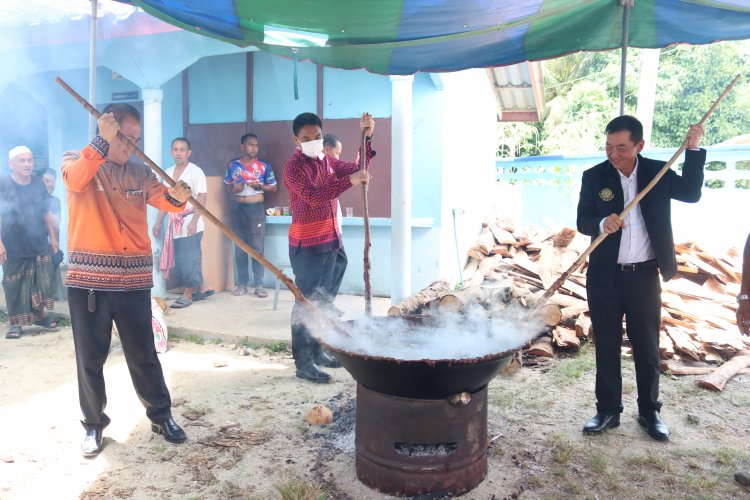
{"points": [[472, 334], [34, 12]]}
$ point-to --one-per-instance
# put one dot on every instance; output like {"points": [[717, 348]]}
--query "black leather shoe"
{"points": [[92, 443], [312, 373], [170, 430], [654, 425], [601, 422], [326, 360]]}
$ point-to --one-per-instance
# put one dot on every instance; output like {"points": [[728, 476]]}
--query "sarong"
{"points": [[174, 225], [27, 282]]}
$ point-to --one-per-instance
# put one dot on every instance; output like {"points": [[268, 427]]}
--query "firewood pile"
{"points": [[505, 266]]}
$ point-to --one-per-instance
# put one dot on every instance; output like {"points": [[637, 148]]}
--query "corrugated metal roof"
{"points": [[519, 91]]}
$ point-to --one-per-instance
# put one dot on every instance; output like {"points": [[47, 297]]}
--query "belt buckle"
{"points": [[628, 268]]}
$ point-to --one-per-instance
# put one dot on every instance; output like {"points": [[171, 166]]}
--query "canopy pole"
{"points": [[92, 67], [627, 5]]}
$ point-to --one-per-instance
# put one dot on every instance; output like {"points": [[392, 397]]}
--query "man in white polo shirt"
{"points": [[182, 242]]}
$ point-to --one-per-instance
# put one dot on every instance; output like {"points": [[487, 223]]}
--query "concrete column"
{"points": [[401, 183], [152, 99], [152, 146]]}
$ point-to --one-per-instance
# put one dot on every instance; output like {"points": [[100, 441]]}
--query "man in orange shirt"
{"points": [[110, 270]]}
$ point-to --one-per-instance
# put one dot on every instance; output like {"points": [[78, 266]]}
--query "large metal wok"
{"points": [[422, 379]]}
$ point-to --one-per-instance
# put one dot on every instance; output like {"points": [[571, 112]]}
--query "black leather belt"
{"points": [[629, 268]]}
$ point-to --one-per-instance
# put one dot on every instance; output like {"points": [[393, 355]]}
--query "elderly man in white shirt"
{"points": [[182, 242], [623, 274]]}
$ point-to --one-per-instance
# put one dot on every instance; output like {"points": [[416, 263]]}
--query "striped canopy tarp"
{"points": [[407, 36]]}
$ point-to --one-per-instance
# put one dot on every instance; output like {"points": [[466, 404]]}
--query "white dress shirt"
{"points": [[635, 245]]}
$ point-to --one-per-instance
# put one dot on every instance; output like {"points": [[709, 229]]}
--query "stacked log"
{"points": [[505, 265], [421, 301]]}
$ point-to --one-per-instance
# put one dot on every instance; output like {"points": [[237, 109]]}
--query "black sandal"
{"points": [[181, 303], [14, 332], [48, 322], [202, 295]]}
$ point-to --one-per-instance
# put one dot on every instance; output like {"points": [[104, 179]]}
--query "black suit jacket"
{"points": [[601, 195]]}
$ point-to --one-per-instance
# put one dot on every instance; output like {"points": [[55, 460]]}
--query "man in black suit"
{"points": [[623, 273]]}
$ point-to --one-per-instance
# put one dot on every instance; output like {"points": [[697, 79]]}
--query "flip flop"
{"points": [[202, 295], [48, 322], [239, 290], [14, 332], [261, 292], [181, 303]]}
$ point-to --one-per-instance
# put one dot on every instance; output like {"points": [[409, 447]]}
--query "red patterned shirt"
{"points": [[314, 187]]}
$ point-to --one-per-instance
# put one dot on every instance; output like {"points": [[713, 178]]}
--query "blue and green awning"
{"points": [[407, 36]]}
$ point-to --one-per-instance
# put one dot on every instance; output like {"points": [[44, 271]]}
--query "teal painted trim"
{"points": [[273, 88], [348, 93], [557, 179], [217, 89]]}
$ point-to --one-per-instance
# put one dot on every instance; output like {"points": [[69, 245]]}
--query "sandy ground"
{"points": [[244, 416]]}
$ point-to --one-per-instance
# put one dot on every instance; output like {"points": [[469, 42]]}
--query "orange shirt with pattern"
{"points": [[108, 235]]}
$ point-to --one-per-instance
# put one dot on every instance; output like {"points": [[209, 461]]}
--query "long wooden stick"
{"points": [[208, 215], [582, 258], [366, 262]]}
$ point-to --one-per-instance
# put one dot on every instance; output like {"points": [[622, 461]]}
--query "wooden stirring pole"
{"points": [[367, 267], [582, 258], [211, 217]]}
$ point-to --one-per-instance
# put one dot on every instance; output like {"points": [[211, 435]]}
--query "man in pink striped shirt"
{"points": [[315, 181]]}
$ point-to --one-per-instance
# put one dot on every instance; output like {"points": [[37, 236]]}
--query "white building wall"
{"points": [[469, 142]]}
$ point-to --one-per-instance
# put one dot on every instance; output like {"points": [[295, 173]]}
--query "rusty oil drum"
{"points": [[451, 440]]}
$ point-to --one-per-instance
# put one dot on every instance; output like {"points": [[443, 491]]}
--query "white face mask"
{"points": [[313, 149]]}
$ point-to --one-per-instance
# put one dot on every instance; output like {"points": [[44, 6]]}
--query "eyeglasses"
{"points": [[621, 148]]}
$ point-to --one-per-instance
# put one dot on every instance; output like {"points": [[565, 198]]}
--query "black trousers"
{"points": [[318, 277], [637, 296], [249, 222], [92, 334], [187, 261]]}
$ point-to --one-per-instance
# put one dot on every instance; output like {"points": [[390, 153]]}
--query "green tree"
{"points": [[575, 121], [582, 93], [690, 80]]}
